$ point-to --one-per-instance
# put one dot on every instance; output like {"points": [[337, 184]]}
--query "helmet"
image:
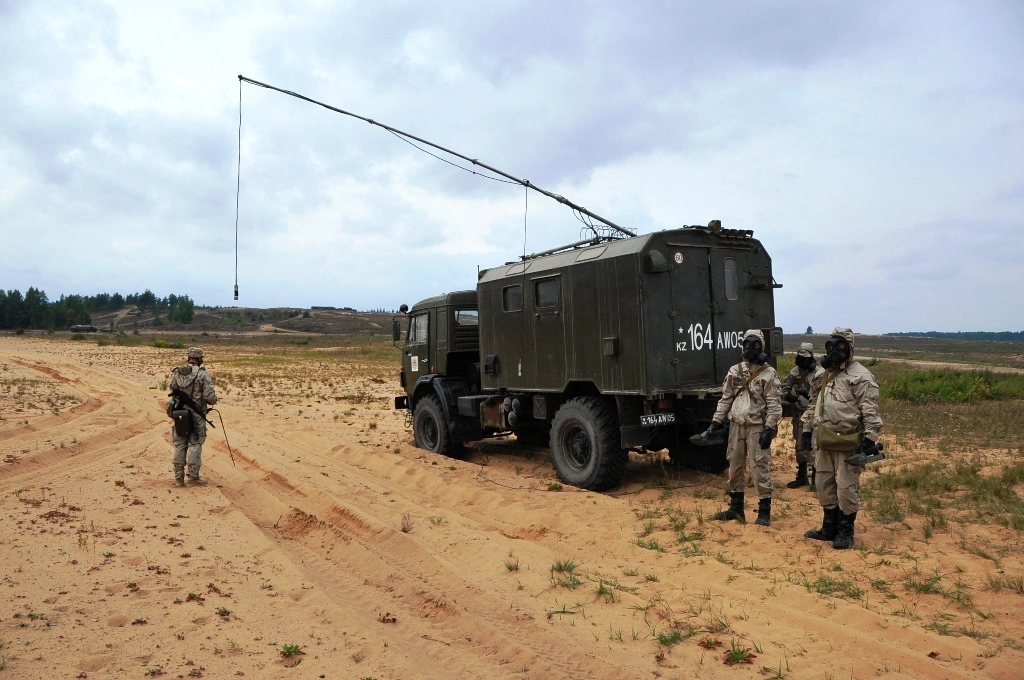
{"points": [[195, 352]]}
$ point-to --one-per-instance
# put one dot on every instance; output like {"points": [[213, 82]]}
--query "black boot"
{"points": [[844, 531], [801, 477], [764, 512], [735, 510], [827, 532]]}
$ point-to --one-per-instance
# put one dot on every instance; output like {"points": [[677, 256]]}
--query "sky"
{"points": [[875, 148]]}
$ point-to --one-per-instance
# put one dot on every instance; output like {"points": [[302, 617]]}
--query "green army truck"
{"points": [[595, 349]]}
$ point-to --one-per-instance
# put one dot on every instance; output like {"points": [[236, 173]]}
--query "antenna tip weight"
{"points": [[236, 291]]}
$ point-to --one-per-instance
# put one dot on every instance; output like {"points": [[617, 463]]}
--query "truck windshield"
{"points": [[467, 317]]}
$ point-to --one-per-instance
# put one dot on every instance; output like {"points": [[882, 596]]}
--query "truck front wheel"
{"points": [[585, 444], [429, 428]]}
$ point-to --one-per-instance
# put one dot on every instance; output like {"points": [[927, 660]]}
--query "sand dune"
{"points": [[333, 533]]}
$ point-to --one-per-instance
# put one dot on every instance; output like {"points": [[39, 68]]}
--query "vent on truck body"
{"points": [[467, 338]]}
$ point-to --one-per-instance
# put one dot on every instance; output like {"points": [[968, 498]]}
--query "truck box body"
{"points": [[657, 314]]}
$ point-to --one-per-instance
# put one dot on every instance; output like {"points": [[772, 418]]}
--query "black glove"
{"points": [[803, 393], [805, 441], [789, 397], [867, 452], [713, 428], [766, 437]]}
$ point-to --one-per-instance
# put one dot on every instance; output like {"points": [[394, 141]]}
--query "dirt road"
{"points": [[109, 571]]}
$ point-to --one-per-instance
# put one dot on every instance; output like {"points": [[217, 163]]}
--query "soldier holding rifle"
{"points": [[191, 394]]}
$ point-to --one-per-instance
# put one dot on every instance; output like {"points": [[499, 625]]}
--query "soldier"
{"points": [[750, 399], [804, 378], [189, 432], [844, 416]]}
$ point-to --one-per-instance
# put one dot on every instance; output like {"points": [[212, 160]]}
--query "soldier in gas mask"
{"points": [[844, 415], [750, 400], [189, 432], [800, 382]]}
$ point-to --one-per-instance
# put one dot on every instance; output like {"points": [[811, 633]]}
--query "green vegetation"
{"points": [[929, 488], [34, 310], [952, 386]]}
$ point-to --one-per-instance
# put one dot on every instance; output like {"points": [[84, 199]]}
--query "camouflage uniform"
{"points": [[196, 382], [809, 380], [846, 400], [751, 405]]}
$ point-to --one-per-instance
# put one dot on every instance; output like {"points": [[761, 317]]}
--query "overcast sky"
{"points": [[875, 148]]}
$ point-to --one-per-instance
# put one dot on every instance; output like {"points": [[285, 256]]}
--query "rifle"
{"points": [[180, 397]]}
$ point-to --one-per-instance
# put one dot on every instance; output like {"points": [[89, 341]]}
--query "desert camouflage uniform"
{"points": [[849, 398], [798, 379], [750, 409], [196, 382]]}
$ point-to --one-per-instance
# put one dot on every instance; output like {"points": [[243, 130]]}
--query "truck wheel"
{"points": [[585, 444], [429, 428]]}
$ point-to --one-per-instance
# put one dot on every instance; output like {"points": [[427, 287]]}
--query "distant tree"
{"points": [[809, 330]]}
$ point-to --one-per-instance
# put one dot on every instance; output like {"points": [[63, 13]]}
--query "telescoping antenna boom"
{"points": [[524, 182]]}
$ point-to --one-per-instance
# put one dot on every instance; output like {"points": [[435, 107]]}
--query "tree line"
{"points": [[35, 311]]}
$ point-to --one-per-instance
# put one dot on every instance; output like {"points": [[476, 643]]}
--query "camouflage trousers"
{"points": [[189, 450], [743, 445], [802, 455], [837, 483]]}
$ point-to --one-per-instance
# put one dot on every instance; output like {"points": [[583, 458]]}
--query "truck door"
{"points": [[415, 359], [740, 301], [693, 321], [548, 332]]}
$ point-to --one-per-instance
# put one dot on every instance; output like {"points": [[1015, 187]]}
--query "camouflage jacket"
{"points": [[750, 402], [798, 379], [849, 398], [196, 382]]}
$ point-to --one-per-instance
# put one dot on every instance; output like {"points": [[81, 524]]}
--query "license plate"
{"points": [[658, 419]]}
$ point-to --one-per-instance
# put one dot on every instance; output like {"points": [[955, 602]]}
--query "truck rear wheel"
{"points": [[429, 427], [585, 444]]}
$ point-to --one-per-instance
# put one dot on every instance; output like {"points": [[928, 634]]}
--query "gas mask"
{"points": [[837, 352], [753, 350], [804, 363]]}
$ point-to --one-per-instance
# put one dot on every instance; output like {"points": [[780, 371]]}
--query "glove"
{"points": [[766, 437], [867, 452], [805, 441], [713, 428], [803, 393], [789, 397]]}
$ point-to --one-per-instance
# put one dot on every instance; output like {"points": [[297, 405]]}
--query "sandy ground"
{"points": [[109, 571]]}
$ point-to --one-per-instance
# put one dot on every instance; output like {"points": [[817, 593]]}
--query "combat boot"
{"points": [[827, 532], [844, 531], [764, 512], [801, 477], [195, 481], [735, 510], [179, 481]]}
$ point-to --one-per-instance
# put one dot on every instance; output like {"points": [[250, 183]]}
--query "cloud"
{"points": [[833, 131]]}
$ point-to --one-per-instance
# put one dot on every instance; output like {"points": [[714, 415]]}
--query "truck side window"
{"points": [[467, 317], [418, 330], [512, 298], [546, 293], [731, 284]]}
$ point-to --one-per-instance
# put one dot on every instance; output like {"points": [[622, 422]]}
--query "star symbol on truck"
{"points": [[680, 331]]}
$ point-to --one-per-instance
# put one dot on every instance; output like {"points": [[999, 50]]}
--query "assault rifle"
{"points": [[182, 398]]}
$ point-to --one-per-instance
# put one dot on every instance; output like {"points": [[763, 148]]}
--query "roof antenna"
{"points": [[238, 181]]}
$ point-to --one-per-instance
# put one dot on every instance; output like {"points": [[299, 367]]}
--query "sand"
{"points": [[333, 534]]}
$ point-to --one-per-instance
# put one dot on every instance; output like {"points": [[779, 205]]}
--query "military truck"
{"points": [[594, 349]]}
